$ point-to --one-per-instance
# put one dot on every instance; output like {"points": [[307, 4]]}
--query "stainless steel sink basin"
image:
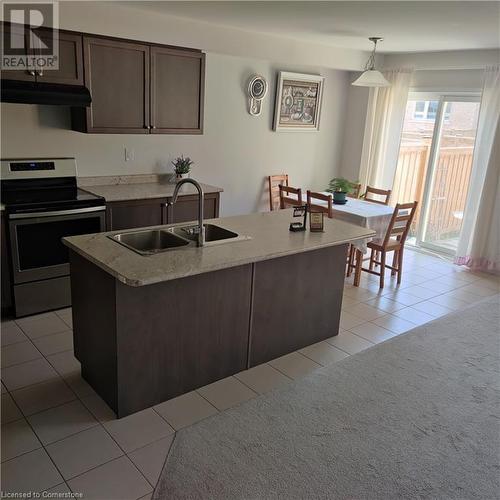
{"points": [[151, 241], [212, 232]]}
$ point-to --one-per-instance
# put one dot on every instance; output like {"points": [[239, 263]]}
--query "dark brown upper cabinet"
{"points": [[117, 75], [70, 70], [141, 89], [177, 86]]}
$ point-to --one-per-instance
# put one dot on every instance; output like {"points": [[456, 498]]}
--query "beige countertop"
{"points": [[140, 191], [268, 234]]}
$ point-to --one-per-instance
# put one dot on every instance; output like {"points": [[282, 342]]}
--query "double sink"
{"points": [[152, 241]]}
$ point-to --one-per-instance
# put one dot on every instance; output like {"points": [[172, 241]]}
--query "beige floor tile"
{"points": [[349, 342], [463, 295], [450, 302], [79, 385], [323, 353], [414, 316], [116, 480], [32, 372], [385, 304], [64, 363], [81, 452], [359, 294], [185, 410], [138, 430], [30, 472], [440, 286], [348, 320], [10, 411], [20, 352], [66, 316], [99, 408], [39, 397], [373, 332], [431, 308], [403, 297], [480, 290], [226, 393], [493, 283], [347, 301], [422, 292], [42, 324], [294, 365], [52, 344], [61, 422], [262, 378], [365, 311], [150, 459], [17, 439], [394, 324], [10, 333]]}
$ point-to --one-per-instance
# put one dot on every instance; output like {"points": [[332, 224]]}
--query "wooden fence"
{"points": [[451, 181]]}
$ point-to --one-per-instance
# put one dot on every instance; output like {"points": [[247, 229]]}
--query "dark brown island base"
{"points": [[148, 328]]}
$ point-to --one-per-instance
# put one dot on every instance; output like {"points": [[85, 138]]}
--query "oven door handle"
{"points": [[52, 213]]}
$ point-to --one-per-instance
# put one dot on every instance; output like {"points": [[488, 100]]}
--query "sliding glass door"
{"points": [[435, 164]]}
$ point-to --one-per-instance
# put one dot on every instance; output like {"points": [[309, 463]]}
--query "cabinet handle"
{"points": [[40, 72], [32, 72], [147, 127], [154, 126]]}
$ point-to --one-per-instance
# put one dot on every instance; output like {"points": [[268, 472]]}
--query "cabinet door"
{"points": [[117, 75], [177, 91], [134, 214], [18, 38], [70, 70], [185, 208]]}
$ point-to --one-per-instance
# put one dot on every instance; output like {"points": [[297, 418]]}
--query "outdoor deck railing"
{"points": [[451, 181]]}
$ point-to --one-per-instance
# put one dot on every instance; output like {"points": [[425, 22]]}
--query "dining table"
{"points": [[374, 216]]}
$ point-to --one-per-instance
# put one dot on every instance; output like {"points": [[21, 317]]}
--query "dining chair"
{"points": [[289, 201], [328, 209], [380, 192], [274, 193], [355, 191], [394, 241]]}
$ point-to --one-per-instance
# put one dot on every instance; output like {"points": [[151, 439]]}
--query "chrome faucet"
{"points": [[201, 203]]}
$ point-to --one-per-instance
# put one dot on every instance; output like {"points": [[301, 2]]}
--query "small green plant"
{"points": [[341, 185], [182, 165]]}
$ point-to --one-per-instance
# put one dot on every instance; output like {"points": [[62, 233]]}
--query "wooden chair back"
{"points": [[400, 224], [314, 207], [288, 201], [274, 192], [381, 192], [356, 190]]}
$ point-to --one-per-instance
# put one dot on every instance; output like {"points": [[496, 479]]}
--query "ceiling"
{"points": [[407, 26]]}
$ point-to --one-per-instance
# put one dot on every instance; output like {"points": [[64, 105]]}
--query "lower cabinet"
{"points": [[155, 212]]}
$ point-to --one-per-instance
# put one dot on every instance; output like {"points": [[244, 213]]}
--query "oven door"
{"points": [[35, 239]]}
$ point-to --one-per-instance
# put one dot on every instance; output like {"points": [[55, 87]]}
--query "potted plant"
{"points": [[182, 167], [340, 187]]}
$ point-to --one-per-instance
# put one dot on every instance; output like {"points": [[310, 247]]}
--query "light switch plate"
{"points": [[129, 154]]}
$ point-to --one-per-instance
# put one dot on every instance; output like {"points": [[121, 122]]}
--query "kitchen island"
{"points": [[149, 328]]}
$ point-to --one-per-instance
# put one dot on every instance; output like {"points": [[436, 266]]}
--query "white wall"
{"points": [[235, 152]]}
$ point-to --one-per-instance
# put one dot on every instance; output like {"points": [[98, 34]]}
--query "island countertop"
{"points": [[268, 238]]}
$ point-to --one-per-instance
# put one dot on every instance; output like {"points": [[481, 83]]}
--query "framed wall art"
{"points": [[298, 102]]}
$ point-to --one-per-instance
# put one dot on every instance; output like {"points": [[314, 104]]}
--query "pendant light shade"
{"points": [[370, 76]]}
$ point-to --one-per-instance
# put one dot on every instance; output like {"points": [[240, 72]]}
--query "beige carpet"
{"points": [[414, 417]]}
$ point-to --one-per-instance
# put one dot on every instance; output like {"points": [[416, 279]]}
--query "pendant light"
{"points": [[370, 76]]}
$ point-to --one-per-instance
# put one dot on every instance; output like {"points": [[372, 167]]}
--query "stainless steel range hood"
{"points": [[44, 93]]}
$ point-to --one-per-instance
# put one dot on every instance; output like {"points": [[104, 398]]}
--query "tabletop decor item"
{"points": [[298, 102], [340, 187], [182, 167], [316, 222], [299, 211], [257, 90]]}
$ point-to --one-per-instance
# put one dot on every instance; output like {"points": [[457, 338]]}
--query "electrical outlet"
{"points": [[129, 154]]}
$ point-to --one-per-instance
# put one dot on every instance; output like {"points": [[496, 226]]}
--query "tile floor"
{"points": [[58, 435]]}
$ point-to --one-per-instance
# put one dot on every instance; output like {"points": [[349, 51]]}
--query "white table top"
{"points": [[361, 208]]}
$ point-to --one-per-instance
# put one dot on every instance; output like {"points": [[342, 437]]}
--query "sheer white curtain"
{"points": [[386, 111], [479, 244]]}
